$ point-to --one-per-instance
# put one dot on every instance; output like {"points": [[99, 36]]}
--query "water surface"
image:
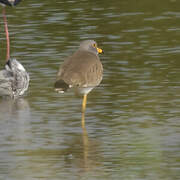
{"points": [[132, 118]]}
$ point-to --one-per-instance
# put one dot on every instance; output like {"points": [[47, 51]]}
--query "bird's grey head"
{"points": [[90, 45]]}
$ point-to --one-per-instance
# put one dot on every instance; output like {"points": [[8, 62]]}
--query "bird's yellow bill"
{"points": [[99, 50]]}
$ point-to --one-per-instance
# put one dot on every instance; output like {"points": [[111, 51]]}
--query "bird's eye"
{"points": [[94, 45]]}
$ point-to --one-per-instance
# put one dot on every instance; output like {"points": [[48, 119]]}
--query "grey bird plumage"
{"points": [[14, 80], [83, 70]]}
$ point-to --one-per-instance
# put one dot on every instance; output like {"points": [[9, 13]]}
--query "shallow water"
{"points": [[132, 118]]}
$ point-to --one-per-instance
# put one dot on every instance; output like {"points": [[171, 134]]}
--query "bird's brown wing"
{"points": [[81, 69]]}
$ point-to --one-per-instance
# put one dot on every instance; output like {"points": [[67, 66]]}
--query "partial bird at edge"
{"points": [[14, 80]]}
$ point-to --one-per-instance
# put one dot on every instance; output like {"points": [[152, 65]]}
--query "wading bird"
{"points": [[14, 80], [82, 71]]}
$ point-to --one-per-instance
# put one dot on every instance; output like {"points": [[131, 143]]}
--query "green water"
{"points": [[132, 118]]}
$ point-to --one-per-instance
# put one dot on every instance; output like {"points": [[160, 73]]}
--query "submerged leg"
{"points": [[7, 35], [83, 110]]}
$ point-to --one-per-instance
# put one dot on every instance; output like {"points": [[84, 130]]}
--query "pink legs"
{"points": [[7, 35]]}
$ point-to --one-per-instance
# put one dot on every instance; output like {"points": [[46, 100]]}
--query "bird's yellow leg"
{"points": [[84, 103], [83, 110]]}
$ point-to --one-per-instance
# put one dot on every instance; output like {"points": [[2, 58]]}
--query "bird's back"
{"points": [[14, 80], [20, 82], [81, 69]]}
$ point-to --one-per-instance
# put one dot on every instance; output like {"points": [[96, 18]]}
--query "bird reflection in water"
{"points": [[82, 153], [85, 147], [91, 157], [14, 108]]}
